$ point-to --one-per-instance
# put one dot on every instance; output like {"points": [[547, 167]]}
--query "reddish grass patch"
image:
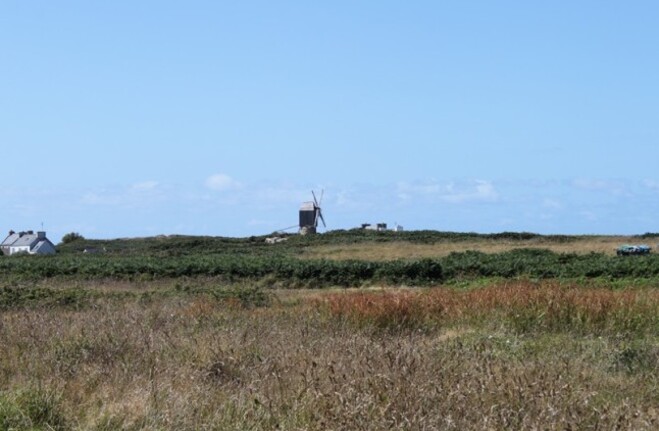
{"points": [[524, 305]]}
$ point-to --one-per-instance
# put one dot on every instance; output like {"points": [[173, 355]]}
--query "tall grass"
{"points": [[191, 361], [523, 306]]}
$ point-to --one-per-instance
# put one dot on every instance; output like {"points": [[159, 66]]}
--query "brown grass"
{"points": [[407, 250], [523, 305], [192, 363]]}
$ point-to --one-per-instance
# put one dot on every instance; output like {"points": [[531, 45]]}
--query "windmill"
{"points": [[310, 212]]}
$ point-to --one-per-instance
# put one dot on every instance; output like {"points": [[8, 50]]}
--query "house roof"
{"points": [[26, 240], [40, 244], [10, 239]]}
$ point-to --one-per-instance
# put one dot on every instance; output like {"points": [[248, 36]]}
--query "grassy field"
{"points": [[409, 250], [516, 355], [137, 348]]}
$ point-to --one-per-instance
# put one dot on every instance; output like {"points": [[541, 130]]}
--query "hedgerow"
{"points": [[534, 263]]}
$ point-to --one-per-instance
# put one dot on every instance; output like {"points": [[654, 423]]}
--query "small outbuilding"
{"points": [[27, 242], [380, 227]]}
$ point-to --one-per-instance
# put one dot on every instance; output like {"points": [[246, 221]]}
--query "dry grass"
{"points": [[194, 363], [407, 250], [522, 305]]}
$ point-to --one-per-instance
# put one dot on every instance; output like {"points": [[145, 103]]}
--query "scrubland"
{"points": [[522, 339], [514, 355]]}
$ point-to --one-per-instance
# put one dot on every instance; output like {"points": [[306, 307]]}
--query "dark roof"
{"points": [[41, 244]]}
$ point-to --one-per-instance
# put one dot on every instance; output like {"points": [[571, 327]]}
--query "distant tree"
{"points": [[72, 236]]}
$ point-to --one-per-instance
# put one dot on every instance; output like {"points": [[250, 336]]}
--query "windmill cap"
{"points": [[307, 206]]}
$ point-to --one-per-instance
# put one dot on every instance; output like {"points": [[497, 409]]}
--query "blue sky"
{"points": [[128, 118]]}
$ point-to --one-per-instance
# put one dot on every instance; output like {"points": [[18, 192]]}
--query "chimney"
{"points": [[41, 235], [30, 232], [11, 232]]}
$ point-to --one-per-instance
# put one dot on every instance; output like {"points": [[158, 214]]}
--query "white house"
{"points": [[27, 242], [380, 227]]}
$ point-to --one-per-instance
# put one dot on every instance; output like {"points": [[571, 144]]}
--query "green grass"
{"points": [[31, 408]]}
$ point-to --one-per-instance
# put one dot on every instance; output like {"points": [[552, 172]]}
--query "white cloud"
{"points": [[94, 198], [141, 195], [428, 188], [483, 191], [222, 182], [591, 184], [472, 191], [145, 186], [552, 204], [613, 187], [589, 215], [279, 194], [651, 184], [361, 198], [148, 207]]}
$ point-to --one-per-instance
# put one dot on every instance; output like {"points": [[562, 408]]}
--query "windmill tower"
{"points": [[310, 212]]}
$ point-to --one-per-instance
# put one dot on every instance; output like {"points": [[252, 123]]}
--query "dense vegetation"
{"points": [[280, 269], [176, 245], [185, 333], [516, 355]]}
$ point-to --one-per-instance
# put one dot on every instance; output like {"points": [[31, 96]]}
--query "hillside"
{"points": [[326, 245], [340, 258], [345, 330]]}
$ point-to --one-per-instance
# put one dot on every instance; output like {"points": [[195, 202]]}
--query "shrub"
{"points": [[71, 237]]}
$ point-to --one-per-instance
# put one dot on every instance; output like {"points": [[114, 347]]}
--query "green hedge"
{"points": [[534, 263]]}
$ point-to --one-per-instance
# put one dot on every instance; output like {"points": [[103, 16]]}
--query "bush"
{"points": [[71, 237]]}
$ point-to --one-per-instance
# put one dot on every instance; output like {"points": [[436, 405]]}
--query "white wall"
{"points": [[14, 250]]}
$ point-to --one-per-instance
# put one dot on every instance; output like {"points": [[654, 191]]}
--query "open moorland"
{"points": [[347, 330]]}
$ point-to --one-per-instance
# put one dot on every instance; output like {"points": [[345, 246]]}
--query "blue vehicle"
{"points": [[631, 250]]}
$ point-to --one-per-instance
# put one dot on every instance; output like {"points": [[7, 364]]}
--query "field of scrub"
{"points": [[214, 333], [420, 259]]}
